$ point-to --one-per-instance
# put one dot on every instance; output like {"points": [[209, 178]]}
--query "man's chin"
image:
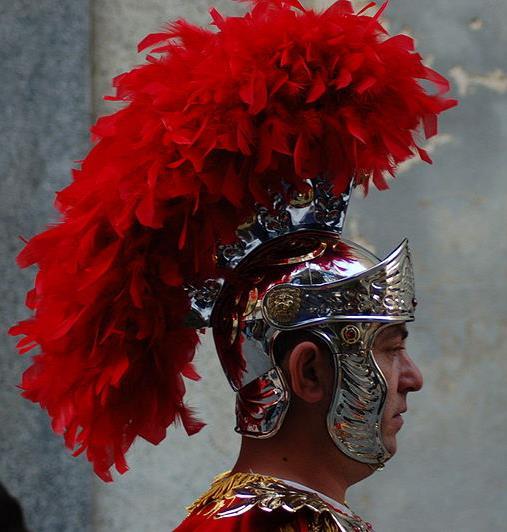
{"points": [[390, 431], [390, 444]]}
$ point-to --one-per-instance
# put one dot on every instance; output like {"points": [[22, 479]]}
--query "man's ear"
{"points": [[309, 370]]}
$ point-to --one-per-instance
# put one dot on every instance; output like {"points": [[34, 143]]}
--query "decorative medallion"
{"points": [[350, 334], [283, 305]]}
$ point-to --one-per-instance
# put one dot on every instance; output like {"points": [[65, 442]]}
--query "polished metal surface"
{"points": [[344, 296], [202, 299], [385, 292], [261, 405], [269, 496], [316, 208], [248, 325], [355, 414], [293, 271]]}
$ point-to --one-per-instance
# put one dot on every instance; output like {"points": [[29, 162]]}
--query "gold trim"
{"points": [[271, 496], [283, 304], [268, 494], [311, 255], [223, 488]]}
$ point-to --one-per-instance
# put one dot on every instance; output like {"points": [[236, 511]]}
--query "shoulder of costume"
{"points": [[266, 502]]}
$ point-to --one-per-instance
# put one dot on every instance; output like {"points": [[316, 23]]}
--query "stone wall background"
{"points": [[45, 104], [57, 61]]}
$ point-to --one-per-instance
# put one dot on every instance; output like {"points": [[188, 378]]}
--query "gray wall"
{"points": [[450, 471], [44, 117]]}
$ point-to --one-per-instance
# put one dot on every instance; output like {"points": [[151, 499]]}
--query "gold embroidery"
{"points": [[222, 489], [268, 494]]}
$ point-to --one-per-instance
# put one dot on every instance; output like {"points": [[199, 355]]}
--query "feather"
{"points": [[209, 127]]}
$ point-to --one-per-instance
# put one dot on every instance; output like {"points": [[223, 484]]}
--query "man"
{"points": [[216, 197], [302, 453], [324, 411], [302, 450]]}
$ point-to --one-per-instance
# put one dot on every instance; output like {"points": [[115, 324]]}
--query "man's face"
{"points": [[402, 376]]}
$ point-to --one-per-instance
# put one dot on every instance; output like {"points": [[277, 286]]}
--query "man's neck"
{"points": [[328, 472]]}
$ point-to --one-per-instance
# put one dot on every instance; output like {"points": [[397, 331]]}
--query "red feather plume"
{"points": [[212, 124]]}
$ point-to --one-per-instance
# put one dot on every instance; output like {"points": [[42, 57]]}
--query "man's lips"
{"points": [[398, 420]]}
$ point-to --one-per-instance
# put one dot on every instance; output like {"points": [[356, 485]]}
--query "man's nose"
{"points": [[411, 379]]}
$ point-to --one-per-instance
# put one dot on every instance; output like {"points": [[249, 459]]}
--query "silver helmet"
{"points": [[290, 270]]}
